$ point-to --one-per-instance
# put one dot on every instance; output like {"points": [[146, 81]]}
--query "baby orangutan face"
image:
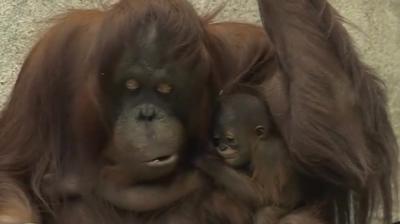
{"points": [[241, 124]]}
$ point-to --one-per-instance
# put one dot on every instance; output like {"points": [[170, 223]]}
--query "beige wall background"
{"points": [[376, 31]]}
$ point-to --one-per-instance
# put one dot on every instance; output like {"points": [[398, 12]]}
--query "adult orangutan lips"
{"points": [[163, 160]]}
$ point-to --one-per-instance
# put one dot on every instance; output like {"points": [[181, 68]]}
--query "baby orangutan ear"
{"points": [[260, 131]]}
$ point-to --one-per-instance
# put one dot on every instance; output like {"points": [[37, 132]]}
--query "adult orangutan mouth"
{"points": [[163, 160]]}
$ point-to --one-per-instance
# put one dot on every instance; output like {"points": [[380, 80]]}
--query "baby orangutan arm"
{"points": [[305, 215], [240, 185], [270, 215], [277, 215], [147, 197]]}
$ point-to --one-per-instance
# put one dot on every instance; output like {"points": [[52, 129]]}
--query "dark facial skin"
{"points": [[154, 93], [242, 122]]}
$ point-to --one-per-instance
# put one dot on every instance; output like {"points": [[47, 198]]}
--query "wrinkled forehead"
{"points": [[153, 49], [149, 48], [152, 31]]}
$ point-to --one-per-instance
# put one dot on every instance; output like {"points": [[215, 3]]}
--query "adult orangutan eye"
{"points": [[132, 84], [164, 88]]}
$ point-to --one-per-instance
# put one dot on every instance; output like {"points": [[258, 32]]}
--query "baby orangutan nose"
{"points": [[226, 151]]}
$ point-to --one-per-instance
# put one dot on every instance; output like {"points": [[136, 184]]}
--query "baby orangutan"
{"points": [[262, 175]]}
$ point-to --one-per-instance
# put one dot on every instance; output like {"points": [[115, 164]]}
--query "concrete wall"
{"points": [[376, 31]]}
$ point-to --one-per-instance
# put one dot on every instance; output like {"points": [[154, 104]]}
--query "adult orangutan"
{"points": [[103, 83], [126, 88]]}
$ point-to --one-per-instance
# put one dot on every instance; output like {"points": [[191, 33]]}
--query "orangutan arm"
{"points": [[15, 206], [147, 197], [238, 184]]}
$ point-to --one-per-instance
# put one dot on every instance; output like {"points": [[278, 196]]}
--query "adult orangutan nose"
{"points": [[146, 112]]}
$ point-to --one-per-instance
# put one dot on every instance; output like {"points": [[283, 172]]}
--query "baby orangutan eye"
{"points": [[231, 140], [132, 84], [164, 88], [216, 140], [260, 130]]}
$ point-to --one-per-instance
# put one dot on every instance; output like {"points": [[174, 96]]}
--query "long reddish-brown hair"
{"points": [[329, 106], [57, 117], [335, 122]]}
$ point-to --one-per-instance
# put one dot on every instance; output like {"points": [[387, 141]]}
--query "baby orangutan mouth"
{"points": [[227, 152], [163, 160]]}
